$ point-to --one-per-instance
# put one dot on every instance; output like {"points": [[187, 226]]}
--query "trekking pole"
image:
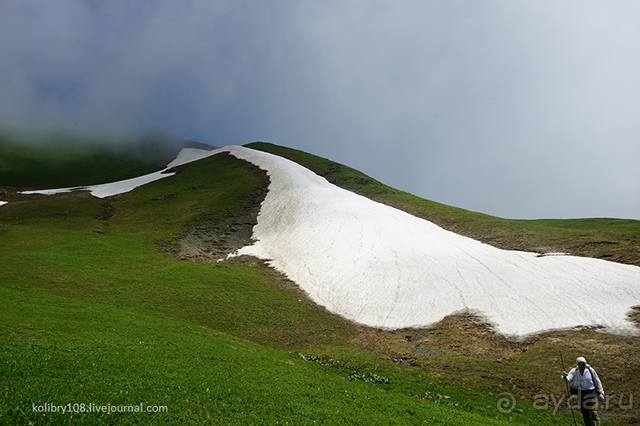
{"points": [[568, 392]]}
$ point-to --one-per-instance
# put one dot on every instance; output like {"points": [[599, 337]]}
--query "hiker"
{"points": [[584, 382]]}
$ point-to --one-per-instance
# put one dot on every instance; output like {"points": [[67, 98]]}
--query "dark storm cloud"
{"points": [[521, 109]]}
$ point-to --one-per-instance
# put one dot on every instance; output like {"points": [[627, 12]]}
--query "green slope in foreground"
{"points": [[95, 310], [617, 240]]}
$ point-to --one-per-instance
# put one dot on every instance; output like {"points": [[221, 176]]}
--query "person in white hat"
{"points": [[584, 382]]}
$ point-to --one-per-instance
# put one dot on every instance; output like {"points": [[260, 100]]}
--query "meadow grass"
{"points": [[95, 309]]}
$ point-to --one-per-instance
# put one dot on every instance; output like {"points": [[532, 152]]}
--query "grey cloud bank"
{"points": [[519, 109]]}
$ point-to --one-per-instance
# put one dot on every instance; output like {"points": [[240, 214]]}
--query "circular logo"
{"points": [[506, 403]]}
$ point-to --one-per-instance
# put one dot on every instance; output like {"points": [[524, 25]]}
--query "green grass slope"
{"points": [[95, 310], [611, 239], [40, 161]]}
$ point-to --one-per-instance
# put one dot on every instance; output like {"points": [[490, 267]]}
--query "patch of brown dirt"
{"points": [[464, 351], [212, 237]]}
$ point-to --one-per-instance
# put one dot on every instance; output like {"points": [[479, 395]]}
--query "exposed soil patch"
{"points": [[107, 211], [212, 240], [211, 237], [634, 315], [464, 350]]}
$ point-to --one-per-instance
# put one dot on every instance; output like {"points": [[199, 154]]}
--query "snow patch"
{"points": [[2, 203], [186, 155], [382, 267]]}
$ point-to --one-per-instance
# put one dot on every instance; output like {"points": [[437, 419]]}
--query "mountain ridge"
{"points": [[617, 240], [62, 252]]}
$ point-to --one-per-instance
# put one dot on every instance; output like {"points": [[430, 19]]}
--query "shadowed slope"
{"points": [[59, 160]]}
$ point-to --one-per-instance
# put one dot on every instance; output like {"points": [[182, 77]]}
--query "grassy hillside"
{"points": [[96, 309], [41, 161], [611, 239]]}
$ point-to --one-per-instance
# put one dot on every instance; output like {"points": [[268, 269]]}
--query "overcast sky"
{"points": [[515, 108]]}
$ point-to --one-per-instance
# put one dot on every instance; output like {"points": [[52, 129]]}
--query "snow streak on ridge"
{"points": [[186, 155]]}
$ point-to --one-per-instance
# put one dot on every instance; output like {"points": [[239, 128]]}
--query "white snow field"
{"points": [[382, 267], [186, 155]]}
